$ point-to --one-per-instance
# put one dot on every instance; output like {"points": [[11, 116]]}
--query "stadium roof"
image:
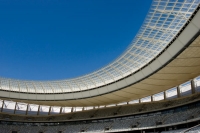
{"points": [[170, 27]]}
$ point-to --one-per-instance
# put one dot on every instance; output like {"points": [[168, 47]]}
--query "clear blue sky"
{"points": [[60, 39]]}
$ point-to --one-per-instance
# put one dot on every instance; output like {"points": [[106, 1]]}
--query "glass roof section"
{"points": [[162, 23]]}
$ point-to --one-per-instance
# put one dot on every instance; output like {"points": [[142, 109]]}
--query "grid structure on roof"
{"points": [[163, 21]]}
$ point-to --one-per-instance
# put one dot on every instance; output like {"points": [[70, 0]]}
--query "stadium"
{"points": [[154, 86]]}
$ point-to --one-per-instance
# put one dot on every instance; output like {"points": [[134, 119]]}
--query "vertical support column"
{"points": [[15, 107], [2, 106], [27, 109], [165, 95], [38, 110], [72, 109], [139, 100], [60, 110], [127, 103], [178, 91], [49, 110], [151, 98], [192, 86]]}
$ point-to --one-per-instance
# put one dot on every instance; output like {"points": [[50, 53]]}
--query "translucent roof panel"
{"points": [[162, 23]]}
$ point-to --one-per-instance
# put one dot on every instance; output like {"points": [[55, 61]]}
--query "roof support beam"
{"points": [[49, 110], [27, 109], [193, 86], [15, 107], [178, 91], [61, 110], [2, 106], [38, 110], [152, 98], [165, 95]]}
